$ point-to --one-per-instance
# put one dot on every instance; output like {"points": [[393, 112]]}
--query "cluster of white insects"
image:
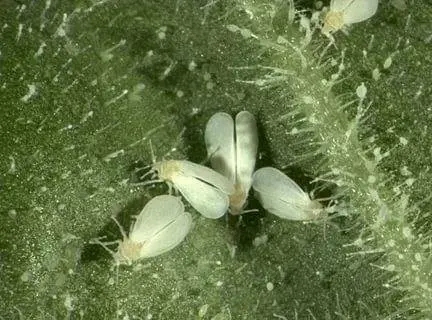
{"points": [[232, 149]]}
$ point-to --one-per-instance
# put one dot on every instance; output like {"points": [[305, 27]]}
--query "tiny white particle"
{"points": [[387, 63], [26, 276], [12, 213], [12, 167], [87, 116], [207, 76], [40, 50], [210, 85], [61, 32], [361, 91], [68, 302], [203, 310], [403, 141], [405, 172], [406, 231], [371, 179], [376, 74], [113, 155], [359, 242], [391, 268], [20, 29], [260, 240], [161, 33], [308, 100], [409, 182], [30, 93], [219, 284], [192, 65], [269, 286]]}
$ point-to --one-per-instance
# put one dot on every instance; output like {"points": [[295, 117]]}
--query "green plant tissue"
{"points": [[91, 92]]}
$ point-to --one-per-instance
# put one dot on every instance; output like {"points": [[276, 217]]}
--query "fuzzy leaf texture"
{"points": [[86, 85]]}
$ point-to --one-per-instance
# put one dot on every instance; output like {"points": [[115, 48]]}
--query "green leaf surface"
{"points": [[89, 88]]}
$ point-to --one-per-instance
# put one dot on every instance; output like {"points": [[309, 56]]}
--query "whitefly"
{"points": [[232, 149], [160, 226], [280, 195], [206, 190], [346, 12]]}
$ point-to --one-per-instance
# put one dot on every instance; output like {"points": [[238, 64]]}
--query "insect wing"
{"points": [[246, 149], [169, 237], [190, 169], [340, 5], [271, 181], [157, 214], [206, 199], [285, 209], [219, 140], [359, 10], [280, 195]]}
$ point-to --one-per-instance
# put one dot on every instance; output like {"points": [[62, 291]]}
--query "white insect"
{"points": [[346, 12], [232, 152], [205, 189], [160, 226], [280, 195]]}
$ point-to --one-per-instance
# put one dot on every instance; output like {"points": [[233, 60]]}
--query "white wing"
{"points": [[280, 195], [285, 209], [355, 10], [190, 169], [219, 140], [157, 214], [209, 201], [271, 181], [339, 5], [169, 237], [246, 149]]}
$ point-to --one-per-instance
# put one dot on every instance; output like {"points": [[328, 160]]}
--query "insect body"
{"points": [[232, 150], [205, 189], [160, 226], [346, 12], [281, 196]]}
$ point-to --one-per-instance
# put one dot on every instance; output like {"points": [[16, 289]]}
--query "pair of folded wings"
{"points": [[233, 147]]}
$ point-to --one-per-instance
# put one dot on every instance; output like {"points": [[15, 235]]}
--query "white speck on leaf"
{"points": [[269, 286], [403, 141], [361, 91], [376, 74], [387, 63], [30, 93]]}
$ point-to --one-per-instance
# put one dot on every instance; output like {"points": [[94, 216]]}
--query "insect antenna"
{"points": [[122, 230], [105, 245]]}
